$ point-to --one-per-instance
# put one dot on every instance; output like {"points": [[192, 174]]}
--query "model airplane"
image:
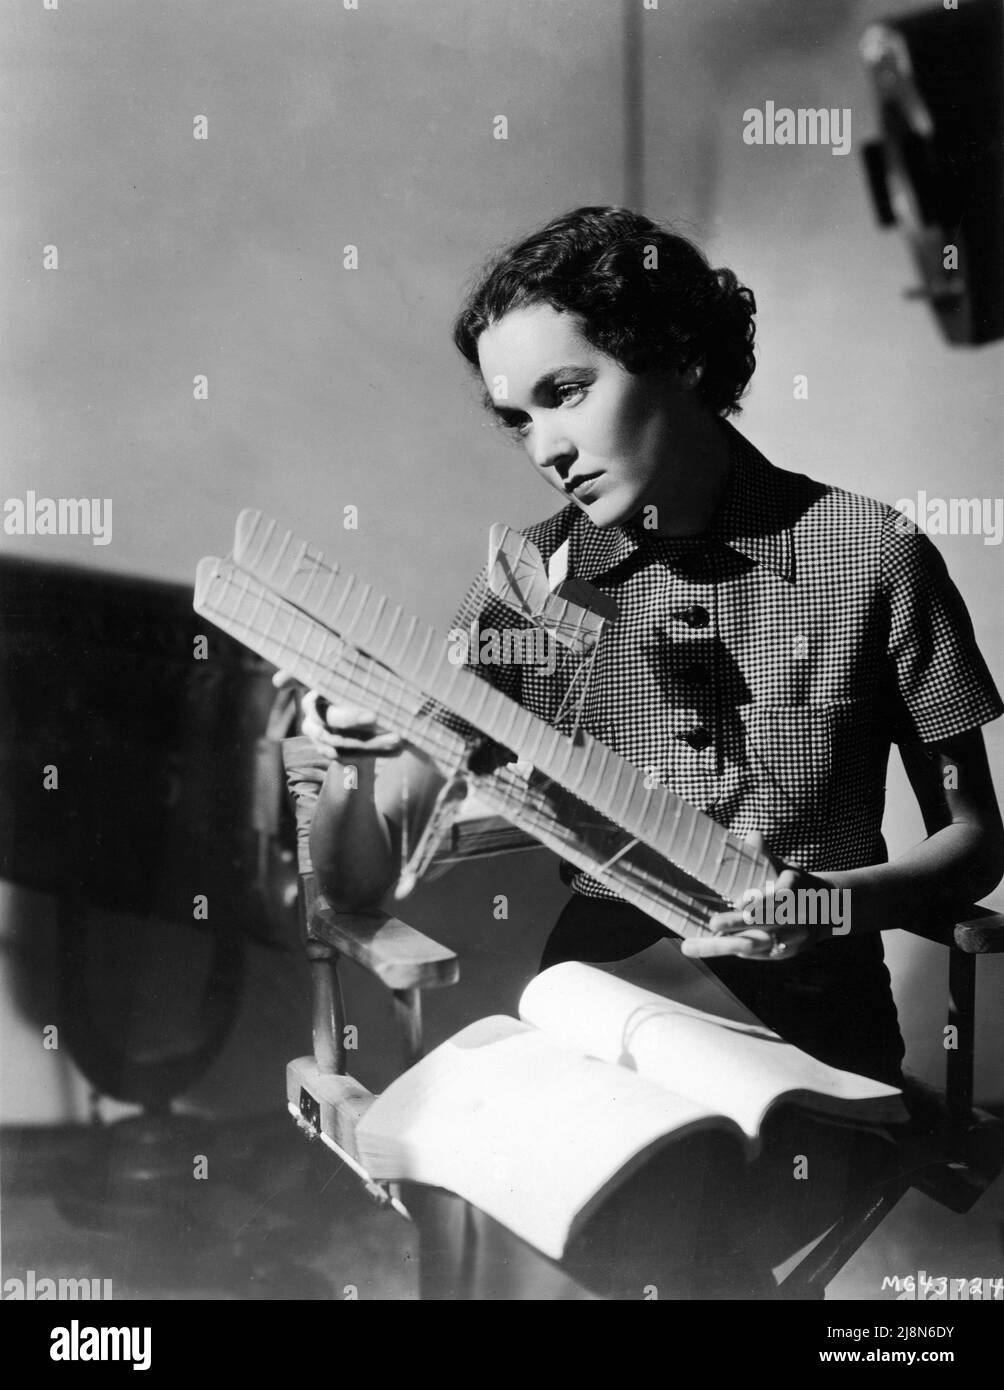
{"points": [[287, 602]]}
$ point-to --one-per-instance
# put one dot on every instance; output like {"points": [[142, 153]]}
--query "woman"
{"points": [[774, 637]]}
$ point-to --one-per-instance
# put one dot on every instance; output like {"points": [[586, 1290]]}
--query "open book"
{"points": [[536, 1122]]}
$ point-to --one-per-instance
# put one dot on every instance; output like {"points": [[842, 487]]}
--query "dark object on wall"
{"points": [[936, 170]]}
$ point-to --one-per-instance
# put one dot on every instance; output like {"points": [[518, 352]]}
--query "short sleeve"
{"points": [[940, 684]]}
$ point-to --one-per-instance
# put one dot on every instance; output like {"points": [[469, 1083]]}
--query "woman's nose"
{"points": [[552, 449]]}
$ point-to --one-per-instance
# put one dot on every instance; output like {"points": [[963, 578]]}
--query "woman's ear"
{"points": [[686, 378]]}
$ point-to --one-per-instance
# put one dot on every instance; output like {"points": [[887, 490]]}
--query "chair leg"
{"points": [[329, 1010], [959, 1060], [824, 1262], [408, 1012]]}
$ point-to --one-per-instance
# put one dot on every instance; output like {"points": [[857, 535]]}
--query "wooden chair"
{"points": [[323, 1097], [952, 1153]]}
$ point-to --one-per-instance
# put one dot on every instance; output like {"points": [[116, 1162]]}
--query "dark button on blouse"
{"points": [[694, 616]]}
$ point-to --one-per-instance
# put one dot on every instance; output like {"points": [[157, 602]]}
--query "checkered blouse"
{"points": [[762, 669]]}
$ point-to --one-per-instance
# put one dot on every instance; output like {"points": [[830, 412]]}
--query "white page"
{"points": [[664, 970], [738, 1071], [520, 1127]]}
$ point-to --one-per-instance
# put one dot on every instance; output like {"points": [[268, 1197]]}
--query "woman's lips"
{"points": [[582, 489]]}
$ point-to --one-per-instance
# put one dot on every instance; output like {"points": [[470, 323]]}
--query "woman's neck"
{"points": [[693, 490]]}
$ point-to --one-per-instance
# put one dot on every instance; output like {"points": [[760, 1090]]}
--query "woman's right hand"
{"points": [[342, 732]]}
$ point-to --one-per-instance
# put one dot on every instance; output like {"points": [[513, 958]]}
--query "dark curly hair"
{"points": [[645, 296]]}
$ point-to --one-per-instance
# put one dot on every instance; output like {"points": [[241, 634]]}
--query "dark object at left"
{"points": [[147, 739], [153, 747]]}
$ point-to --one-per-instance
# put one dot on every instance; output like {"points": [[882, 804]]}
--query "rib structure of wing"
{"points": [[283, 599]]}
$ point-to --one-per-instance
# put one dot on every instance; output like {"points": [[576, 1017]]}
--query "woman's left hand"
{"points": [[771, 927]]}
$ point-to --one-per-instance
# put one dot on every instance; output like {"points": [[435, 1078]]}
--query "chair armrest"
{"points": [[981, 933], [398, 955]]}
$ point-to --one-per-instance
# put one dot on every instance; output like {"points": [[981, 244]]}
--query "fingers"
{"points": [[728, 923], [334, 746], [346, 731], [751, 945], [755, 943], [340, 717], [757, 930], [341, 731]]}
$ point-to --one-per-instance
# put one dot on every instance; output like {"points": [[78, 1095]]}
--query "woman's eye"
{"points": [[567, 393]]}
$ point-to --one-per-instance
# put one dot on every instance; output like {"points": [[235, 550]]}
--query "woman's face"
{"points": [[608, 439]]}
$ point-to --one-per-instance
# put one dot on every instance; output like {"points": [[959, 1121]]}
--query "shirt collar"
{"points": [[754, 517]]}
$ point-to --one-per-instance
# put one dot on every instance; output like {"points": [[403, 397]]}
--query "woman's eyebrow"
{"points": [[540, 388]]}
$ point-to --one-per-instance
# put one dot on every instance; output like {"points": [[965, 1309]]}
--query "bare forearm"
{"points": [[926, 886], [961, 860], [350, 841]]}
